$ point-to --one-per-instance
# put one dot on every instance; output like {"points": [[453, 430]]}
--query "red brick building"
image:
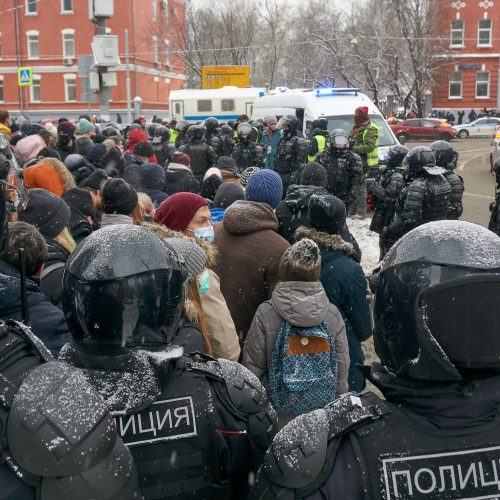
{"points": [[49, 35], [470, 77]]}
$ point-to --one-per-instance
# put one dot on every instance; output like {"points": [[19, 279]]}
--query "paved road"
{"points": [[474, 167]]}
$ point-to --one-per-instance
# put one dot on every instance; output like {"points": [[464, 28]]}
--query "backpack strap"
{"points": [[49, 269]]}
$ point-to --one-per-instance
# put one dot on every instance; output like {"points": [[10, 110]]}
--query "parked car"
{"points": [[440, 121], [495, 147], [422, 128], [482, 127]]}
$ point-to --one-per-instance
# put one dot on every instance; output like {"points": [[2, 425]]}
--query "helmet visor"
{"points": [[141, 310], [340, 141]]}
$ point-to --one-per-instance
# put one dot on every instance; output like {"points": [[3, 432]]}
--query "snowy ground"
{"points": [[367, 240]]}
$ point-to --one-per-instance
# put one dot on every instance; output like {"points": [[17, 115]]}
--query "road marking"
{"points": [[479, 196]]}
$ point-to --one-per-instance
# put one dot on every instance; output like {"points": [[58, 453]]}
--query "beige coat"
{"points": [[221, 330]]}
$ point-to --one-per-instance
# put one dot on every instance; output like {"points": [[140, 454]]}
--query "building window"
{"points": [[154, 11], [205, 105], [484, 33], [70, 88], [227, 104], [164, 8], [66, 5], [1, 89], [33, 49], [155, 50], [31, 6], [455, 84], [68, 41], [482, 84], [35, 93], [166, 50], [457, 33]]}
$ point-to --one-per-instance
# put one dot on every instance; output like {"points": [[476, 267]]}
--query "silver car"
{"points": [[483, 127]]}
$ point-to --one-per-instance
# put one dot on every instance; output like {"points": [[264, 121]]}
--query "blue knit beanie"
{"points": [[265, 186]]}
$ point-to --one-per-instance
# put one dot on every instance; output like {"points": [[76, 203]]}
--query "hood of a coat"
{"points": [[300, 303], [245, 217], [178, 167], [113, 219], [298, 196], [325, 240]]}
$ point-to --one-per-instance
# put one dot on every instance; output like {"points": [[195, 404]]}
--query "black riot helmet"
{"points": [[289, 121], [320, 123], [181, 126], [443, 152], [195, 133], [436, 299], [339, 139], [111, 131], [417, 159], [162, 134], [123, 287], [226, 129], [211, 124], [151, 129], [396, 155], [244, 128]]}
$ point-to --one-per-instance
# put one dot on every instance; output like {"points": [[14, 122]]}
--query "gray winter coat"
{"points": [[302, 304]]}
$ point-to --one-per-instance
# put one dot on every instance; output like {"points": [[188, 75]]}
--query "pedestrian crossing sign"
{"points": [[24, 76]]}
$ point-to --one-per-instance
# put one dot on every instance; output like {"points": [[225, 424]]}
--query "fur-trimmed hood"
{"points": [[332, 241], [165, 232]]}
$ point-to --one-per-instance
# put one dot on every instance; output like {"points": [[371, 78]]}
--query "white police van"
{"points": [[226, 103], [337, 105]]}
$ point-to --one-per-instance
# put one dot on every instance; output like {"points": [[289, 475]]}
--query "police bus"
{"points": [[226, 103], [337, 105]]}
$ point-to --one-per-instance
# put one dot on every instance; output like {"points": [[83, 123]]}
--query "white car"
{"points": [[483, 127]]}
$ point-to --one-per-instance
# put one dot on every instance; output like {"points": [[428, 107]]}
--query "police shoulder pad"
{"points": [[297, 455], [245, 390]]}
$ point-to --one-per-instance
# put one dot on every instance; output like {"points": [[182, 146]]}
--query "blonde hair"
{"points": [[146, 204], [65, 239], [137, 215], [194, 312], [65, 175]]}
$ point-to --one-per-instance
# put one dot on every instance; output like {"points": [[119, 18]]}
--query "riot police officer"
{"points": [[319, 139], [345, 171], [202, 155], [447, 158], [196, 427], [181, 127], [386, 189], [437, 433], [291, 152], [426, 198], [246, 153], [162, 146], [212, 137]]}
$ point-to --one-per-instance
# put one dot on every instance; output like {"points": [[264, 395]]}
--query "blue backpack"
{"points": [[303, 372]]}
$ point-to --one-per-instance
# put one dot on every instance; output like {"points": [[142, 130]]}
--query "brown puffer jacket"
{"points": [[301, 304], [249, 253]]}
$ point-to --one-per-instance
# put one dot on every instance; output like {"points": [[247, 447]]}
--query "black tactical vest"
{"points": [[198, 152], [437, 199], [398, 459], [173, 441]]}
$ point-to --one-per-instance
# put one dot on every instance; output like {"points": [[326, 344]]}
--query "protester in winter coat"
{"points": [[5, 123], [178, 175], [82, 211], [292, 212], [50, 174], [134, 161], [228, 169], [189, 214], [120, 204], [65, 139], [51, 215], [85, 128], [299, 299], [210, 186], [28, 148], [270, 139], [226, 195], [46, 320], [246, 174], [342, 277], [250, 249], [136, 136], [152, 180]]}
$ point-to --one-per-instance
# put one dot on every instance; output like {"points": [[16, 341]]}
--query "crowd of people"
{"points": [[190, 308]]}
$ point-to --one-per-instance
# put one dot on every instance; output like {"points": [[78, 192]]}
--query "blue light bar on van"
{"points": [[330, 92]]}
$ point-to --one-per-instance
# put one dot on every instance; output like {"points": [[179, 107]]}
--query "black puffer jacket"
{"points": [[47, 321], [178, 178], [292, 213], [247, 154], [164, 152], [133, 171], [385, 192], [345, 173], [51, 282]]}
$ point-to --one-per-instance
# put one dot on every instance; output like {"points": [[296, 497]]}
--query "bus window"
{"points": [[227, 104], [177, 108], [205, 105]]}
